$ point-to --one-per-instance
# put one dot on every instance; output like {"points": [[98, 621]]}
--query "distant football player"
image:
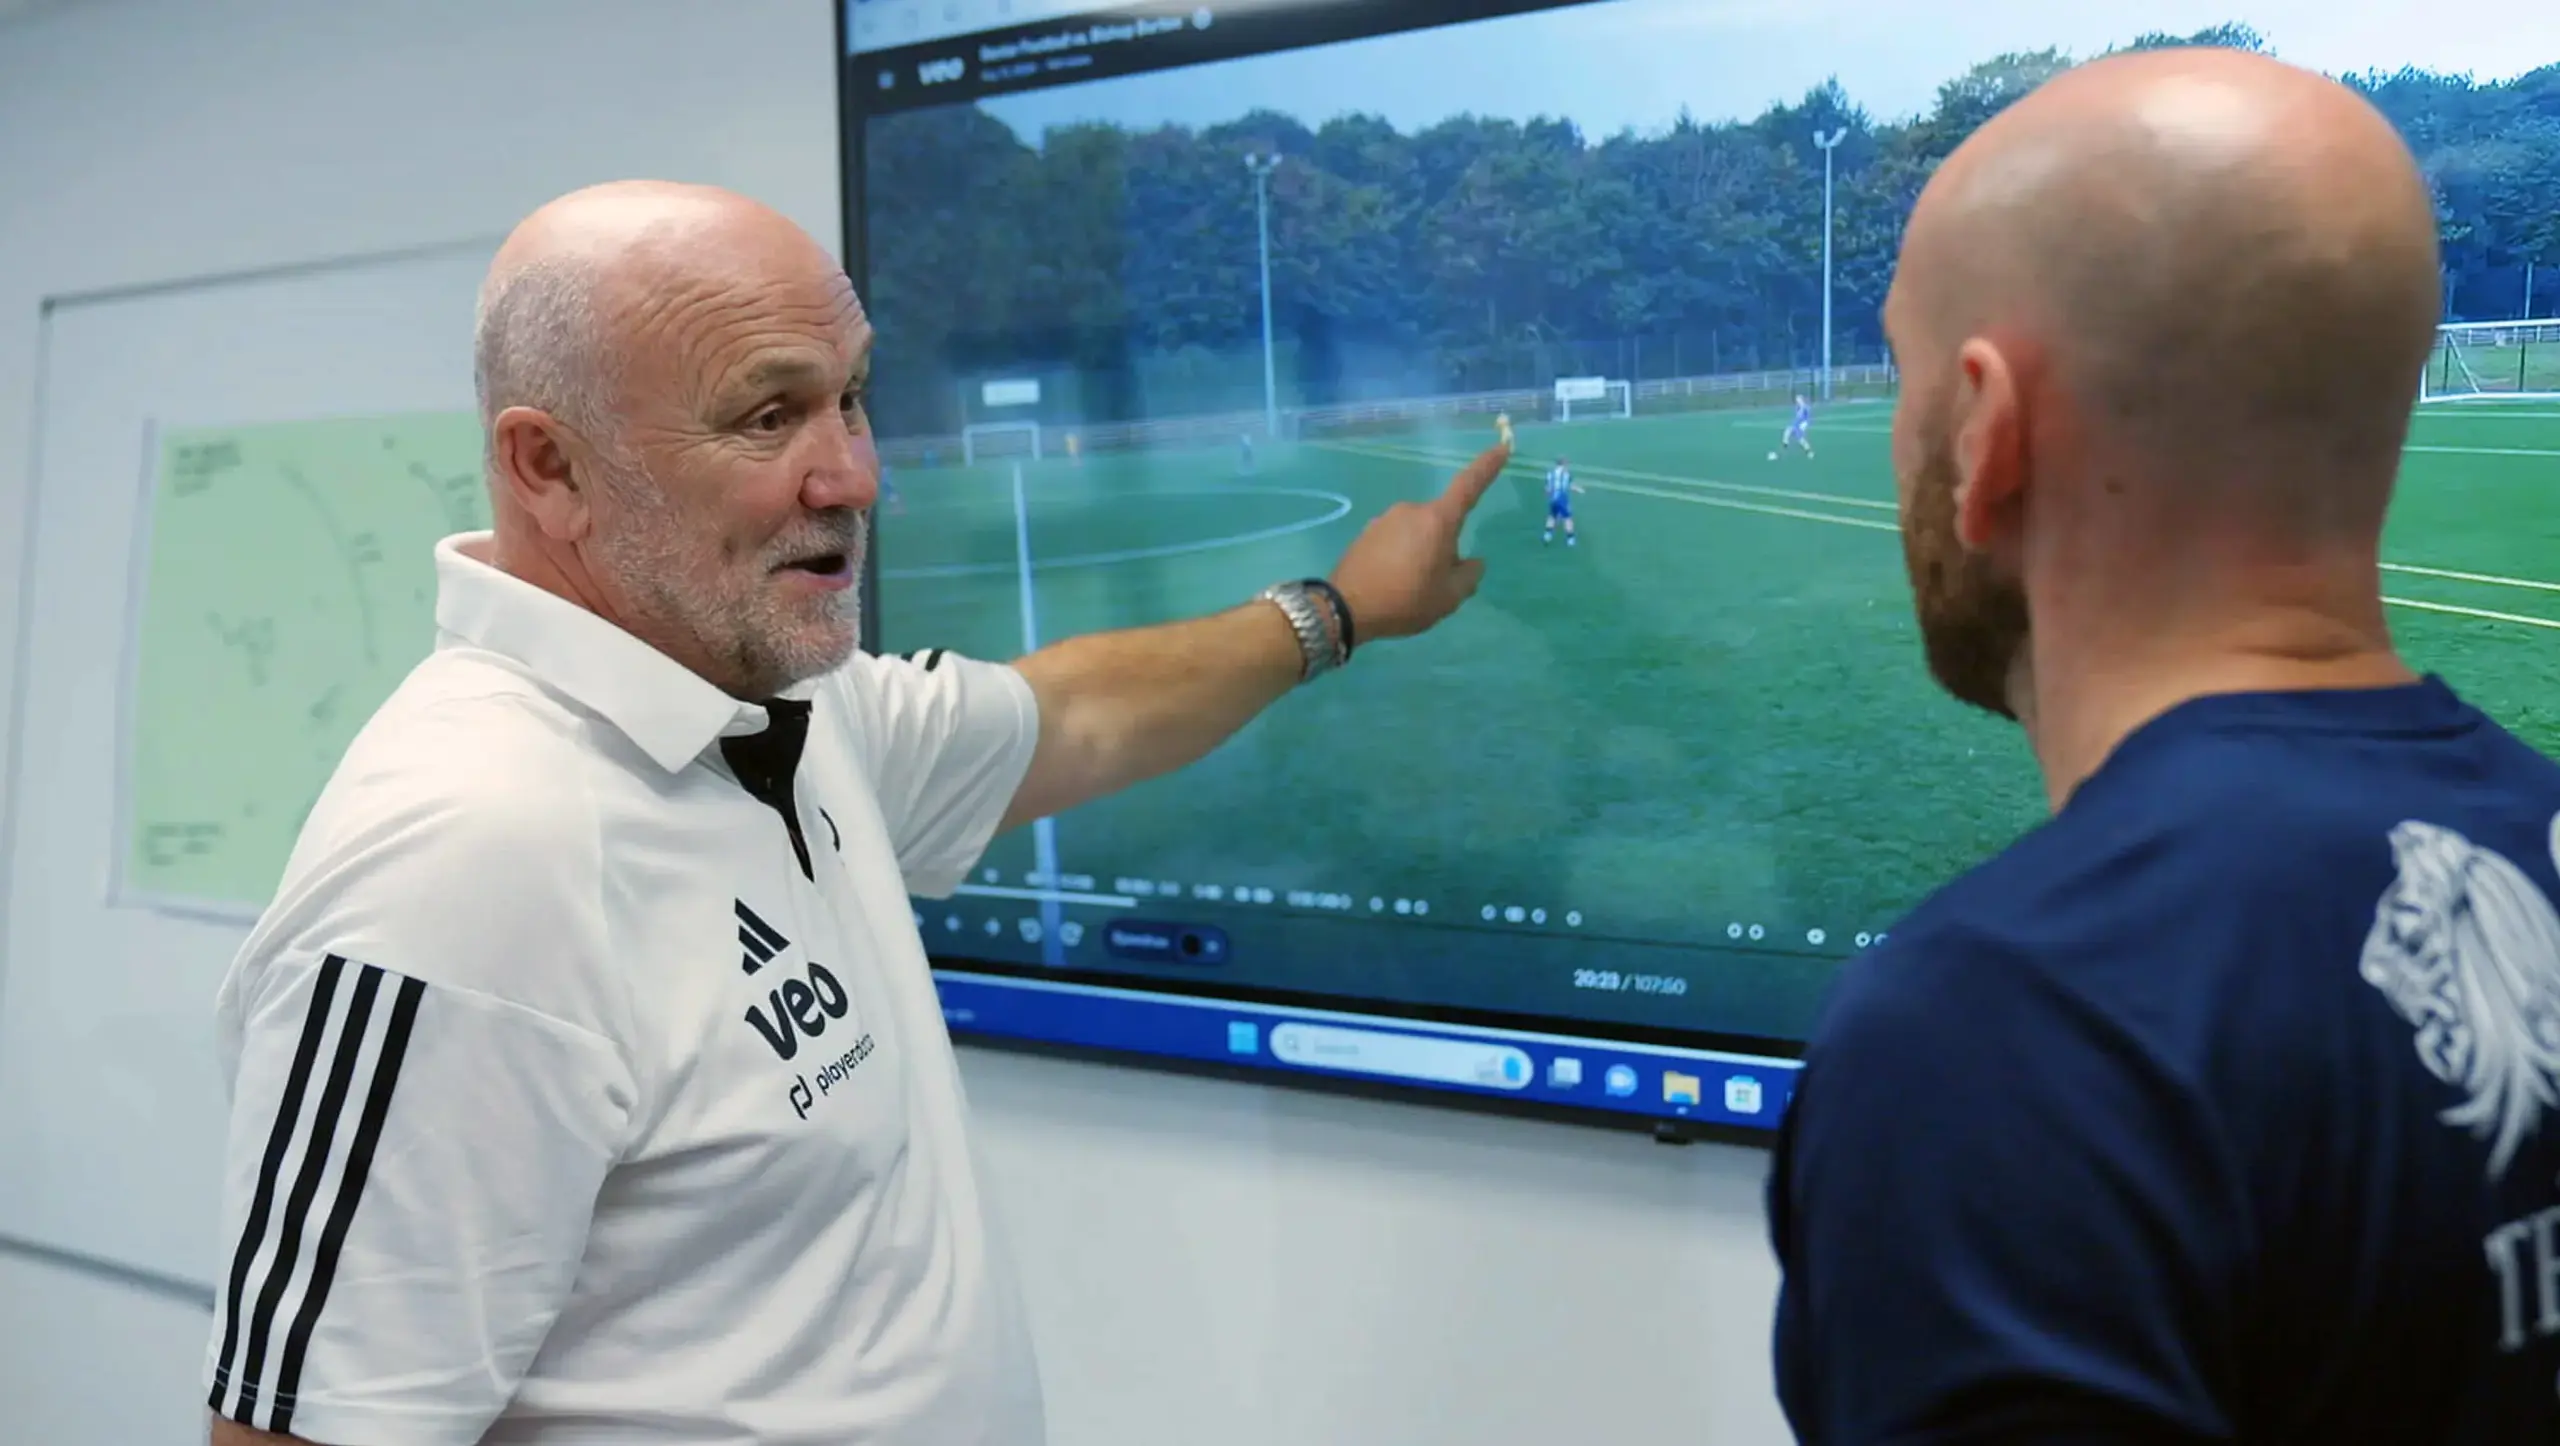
{"points": [[1075, 449], [1799, 428], [1244, 453], [2223, 1105], [1560, 490]]}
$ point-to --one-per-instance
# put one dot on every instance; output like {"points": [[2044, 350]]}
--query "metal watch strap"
{"points": [[1341, 615], [1319, 650]]}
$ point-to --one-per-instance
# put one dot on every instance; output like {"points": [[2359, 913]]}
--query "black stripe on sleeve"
{"points": [[342, 1213], [306, 1184], [253, 1232]]}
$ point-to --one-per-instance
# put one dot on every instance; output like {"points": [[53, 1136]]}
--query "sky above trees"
{"points": [[1476, 252]]}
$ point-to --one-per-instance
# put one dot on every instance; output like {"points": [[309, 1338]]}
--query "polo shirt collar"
{"points": [[670, 711]]}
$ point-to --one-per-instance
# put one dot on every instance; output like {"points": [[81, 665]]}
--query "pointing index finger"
{"points": [[1474, 480]]}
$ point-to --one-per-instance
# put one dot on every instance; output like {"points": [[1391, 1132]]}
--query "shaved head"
{"points": [[670, 376], [571, 281], [2174, 300]]}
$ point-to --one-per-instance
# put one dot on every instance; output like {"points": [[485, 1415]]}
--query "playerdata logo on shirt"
{"points": [[837, 1071]]}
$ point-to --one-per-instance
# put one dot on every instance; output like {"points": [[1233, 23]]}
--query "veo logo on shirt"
{"points": [[794, 1008], [797, 1009]]}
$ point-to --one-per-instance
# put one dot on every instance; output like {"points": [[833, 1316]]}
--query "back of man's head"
{"points": [[2161, 326], [2229, 264]]}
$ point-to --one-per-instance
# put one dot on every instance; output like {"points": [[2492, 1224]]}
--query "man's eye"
{"points": [[771, 419]]}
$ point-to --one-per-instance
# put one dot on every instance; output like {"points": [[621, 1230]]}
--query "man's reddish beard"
{"points": [[1973, 619]]}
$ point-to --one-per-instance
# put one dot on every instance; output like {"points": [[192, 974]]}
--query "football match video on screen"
{"points": [[1166, 313]]}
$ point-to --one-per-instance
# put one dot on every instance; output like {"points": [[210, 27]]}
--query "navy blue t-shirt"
{"points": [[2223, 1106]]}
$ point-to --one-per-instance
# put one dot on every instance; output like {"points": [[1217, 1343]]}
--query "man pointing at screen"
{"points": [[588, 1082]]}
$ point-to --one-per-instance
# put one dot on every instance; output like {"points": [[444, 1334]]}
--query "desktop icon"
{"points": [[1742, 1095], [1244, 1037], [1678, 1088], [1564, 1072], [1621, 1081]]}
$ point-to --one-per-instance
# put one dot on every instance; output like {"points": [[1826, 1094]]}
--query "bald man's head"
{"points": [[561, 292], [2201, 281], [670, 377]]}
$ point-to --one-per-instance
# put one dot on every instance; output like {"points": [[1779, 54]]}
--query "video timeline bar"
{"points": [[1668, 1084], [1124, 893]]}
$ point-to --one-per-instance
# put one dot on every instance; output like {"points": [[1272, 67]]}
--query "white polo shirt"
{"points": [[567, 1107]]}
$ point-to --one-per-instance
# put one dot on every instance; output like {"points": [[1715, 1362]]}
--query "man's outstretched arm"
{"points": [[1121, 707]]}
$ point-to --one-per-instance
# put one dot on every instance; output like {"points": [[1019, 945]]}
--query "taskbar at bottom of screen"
{"points": [[1557, 1071]]}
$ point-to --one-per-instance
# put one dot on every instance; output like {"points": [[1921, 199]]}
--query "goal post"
{"points": [[2493, 361], [985, 441], [1578, 397]]}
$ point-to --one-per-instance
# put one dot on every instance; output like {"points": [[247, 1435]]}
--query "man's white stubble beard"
{"points": [[737, 618]]}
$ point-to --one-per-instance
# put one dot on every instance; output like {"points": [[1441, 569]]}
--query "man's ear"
{"points": [[1990, 444], [540, 465]]}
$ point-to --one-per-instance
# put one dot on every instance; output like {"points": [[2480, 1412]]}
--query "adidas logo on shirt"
{"points": [[761, 939], [796, 1008]]}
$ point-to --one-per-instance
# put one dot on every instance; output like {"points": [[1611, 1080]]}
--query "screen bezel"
{"points": [[851, 116]]}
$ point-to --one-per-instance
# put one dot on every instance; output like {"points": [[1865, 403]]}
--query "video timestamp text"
{"points": [[1617, 982]]}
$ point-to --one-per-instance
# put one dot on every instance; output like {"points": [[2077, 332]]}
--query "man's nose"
{"points": [[845, 474]]}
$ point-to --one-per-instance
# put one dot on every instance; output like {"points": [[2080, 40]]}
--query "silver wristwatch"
{"points": [[1321, 647]]}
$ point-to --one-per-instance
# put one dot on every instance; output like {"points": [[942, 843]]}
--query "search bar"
{"points": [[1403, 1056]]}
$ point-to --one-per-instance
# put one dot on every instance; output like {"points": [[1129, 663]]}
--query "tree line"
{"points": [[1121, 265]]}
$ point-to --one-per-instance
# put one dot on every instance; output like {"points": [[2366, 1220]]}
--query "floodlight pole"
{"points": [[1826, 144], [1262, 166]]}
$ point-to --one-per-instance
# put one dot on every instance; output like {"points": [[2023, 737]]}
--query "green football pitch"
{"points": [[1711, 712]]}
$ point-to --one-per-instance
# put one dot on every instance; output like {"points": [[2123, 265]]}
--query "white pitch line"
{"points": [[2438, 447], [1762, 508], [2487, 614], [1863, 431], [2486, 577], [2491, 405], [1341, 508], [2444, 448], [1750, 489], [1044, 831], [1603, 473], [2498, 617]]}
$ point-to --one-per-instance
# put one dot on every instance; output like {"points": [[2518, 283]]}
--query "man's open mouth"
{"points": [[822, 564]]}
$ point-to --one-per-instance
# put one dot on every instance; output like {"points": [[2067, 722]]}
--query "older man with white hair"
{"points": [[588, 1081]]}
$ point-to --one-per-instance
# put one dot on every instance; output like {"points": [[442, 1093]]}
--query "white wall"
{"points": [[1209, 1264]]}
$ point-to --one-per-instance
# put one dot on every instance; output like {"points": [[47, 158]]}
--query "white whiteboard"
{"points": [[112, 1111]]}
